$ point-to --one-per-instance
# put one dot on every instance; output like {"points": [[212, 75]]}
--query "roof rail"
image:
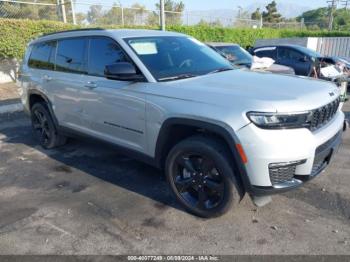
{"points": [[73, 30]]}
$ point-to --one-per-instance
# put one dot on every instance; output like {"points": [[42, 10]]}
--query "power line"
{"points": [[345, 3]]}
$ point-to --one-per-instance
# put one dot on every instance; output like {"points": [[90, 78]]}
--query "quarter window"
{"points": [[102, 52], [71, 55], [43, 56]]}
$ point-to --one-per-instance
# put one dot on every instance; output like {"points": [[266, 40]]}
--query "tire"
{"points": [[44, 128], [200, 176]]}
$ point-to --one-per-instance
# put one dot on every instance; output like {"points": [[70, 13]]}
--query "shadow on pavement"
{"points": [[100, 161]]}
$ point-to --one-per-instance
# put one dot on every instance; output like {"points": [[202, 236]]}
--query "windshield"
{"points": [[175, 57], [236, 54]]}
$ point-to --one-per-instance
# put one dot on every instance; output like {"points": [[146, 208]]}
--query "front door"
{"points": [[115, 110], [294, 59]]}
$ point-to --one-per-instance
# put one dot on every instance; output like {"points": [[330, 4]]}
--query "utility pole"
{"points": [[239, 11], [73, 12], [333, 7], [162, 15]]}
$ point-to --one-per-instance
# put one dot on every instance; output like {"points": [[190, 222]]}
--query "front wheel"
{"points": [[201, 177]]}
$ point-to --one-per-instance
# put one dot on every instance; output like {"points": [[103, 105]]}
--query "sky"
{"points": [[210, 4]]}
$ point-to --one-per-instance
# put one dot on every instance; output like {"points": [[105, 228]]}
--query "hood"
{"points": [[251, 91]]}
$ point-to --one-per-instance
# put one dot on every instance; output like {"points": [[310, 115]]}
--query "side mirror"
{"points": [[122, 71]]}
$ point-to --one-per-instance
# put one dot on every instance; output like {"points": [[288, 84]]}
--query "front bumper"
{"points": [[309, 152]]}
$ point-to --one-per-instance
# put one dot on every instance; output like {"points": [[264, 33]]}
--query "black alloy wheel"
{"points": [[44, 127], [201, 177]]}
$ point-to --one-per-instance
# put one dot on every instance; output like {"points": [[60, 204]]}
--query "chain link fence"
{"points": [[87, 14]]}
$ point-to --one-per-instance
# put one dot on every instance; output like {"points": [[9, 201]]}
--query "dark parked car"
{"points": [[241, 58], [304, 61], [301, 59]]}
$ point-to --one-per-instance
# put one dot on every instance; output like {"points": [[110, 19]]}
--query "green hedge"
{"points": [[16, 33]]}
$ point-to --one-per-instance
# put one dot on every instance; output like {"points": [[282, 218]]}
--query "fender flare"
{"points": [[229, 137], [48, 102]]}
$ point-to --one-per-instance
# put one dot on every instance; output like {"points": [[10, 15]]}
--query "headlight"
{"points": [[280, 120]]}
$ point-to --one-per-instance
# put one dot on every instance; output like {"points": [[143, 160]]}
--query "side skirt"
{"points": [[123, 150]]}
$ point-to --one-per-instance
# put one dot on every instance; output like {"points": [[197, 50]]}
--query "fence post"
{"points": [[162, 15], [73, 12], [302, 23], [122, 15], [63, 11]]}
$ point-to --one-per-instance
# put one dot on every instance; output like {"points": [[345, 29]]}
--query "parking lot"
{"points": [[86, 198]]}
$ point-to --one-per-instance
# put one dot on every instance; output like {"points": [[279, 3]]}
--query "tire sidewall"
{"points": [[52, 129], [231, 193]]}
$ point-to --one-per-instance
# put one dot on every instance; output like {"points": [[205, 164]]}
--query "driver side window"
{"points": [[103, 51], [290, 54]]}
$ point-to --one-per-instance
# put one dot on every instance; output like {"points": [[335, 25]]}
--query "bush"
{"points": [[16, 33]]}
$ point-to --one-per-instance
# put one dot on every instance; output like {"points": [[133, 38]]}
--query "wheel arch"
{"points": [[35, 96], [166, 140]]}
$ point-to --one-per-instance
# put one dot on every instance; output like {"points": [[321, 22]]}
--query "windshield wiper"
{"points": [[177, 77], [222, 69]]}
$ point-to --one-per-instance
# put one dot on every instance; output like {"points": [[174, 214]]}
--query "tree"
{"points": [[242, 19], [94, 14], [135, 15], [256, 15], [318, 18], [172, 6], [28, 11], [271, 15]]}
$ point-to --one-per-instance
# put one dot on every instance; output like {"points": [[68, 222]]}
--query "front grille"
{"points": [[283, 172], [323, 115]]}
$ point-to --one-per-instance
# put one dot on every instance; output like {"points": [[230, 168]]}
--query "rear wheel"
{"points": [[44, 128], [201, 178]]}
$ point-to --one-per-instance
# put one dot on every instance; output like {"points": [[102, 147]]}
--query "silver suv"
{"points": [[171, 101]]}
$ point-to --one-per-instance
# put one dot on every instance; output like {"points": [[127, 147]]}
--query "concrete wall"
{"points": [[8, 69]]}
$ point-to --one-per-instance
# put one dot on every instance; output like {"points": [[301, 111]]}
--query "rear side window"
{"points": [[103, 51], [43, 56], [290, 54], [71, 55], [266, 52]]}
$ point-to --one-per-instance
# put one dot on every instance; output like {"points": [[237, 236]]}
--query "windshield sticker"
{"points": [[144, 48]]}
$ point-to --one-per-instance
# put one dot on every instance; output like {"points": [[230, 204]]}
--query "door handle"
{"points": [[91, 85], [47, 78]]}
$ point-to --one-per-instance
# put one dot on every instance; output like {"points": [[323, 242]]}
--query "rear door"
{"points": [[115, 110], [295, 59], [67, 81], [40, 66]]}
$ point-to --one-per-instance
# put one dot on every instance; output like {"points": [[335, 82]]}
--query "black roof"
{"points": [[73, 30]]}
